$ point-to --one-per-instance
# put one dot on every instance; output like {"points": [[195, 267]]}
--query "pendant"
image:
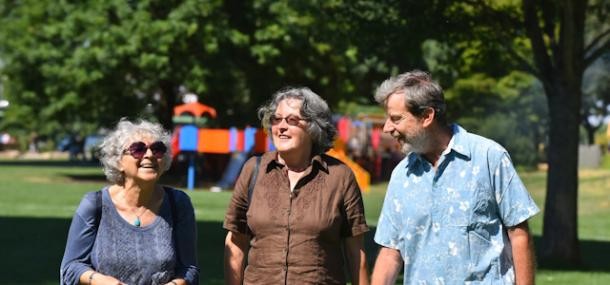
{"points": [[137, 222]]}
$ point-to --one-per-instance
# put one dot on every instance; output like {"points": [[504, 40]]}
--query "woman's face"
{"points": [[142, 160], [288, 127]]}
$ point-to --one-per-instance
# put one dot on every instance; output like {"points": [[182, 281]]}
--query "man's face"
{"points": [[403, 126]]}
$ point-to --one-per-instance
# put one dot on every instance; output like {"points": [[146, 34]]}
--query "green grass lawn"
{"points": [[37, 200]]}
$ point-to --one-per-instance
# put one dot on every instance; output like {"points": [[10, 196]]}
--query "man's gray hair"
{"points": [[421, 92], [313, 109], [125, 133]]}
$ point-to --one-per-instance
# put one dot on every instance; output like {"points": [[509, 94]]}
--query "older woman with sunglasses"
{"points": [[133, 231], [296, 212]]}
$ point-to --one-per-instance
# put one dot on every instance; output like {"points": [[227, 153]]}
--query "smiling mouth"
{"points": [[148, 166]]}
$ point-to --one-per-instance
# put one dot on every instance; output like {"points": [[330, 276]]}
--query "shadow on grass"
{"points": [[32, 249], [594, 254]]}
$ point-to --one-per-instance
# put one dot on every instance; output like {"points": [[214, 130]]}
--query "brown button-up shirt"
{"points": [[296, 237]]}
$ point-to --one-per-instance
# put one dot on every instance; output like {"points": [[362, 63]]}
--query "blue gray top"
{"points": [[134, 255], [450, 224]]}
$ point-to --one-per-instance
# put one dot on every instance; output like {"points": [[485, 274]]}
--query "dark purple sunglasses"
{"points": [[138, 149]]}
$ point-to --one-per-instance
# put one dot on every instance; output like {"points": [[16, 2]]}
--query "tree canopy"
{"points": [[97, 61]]}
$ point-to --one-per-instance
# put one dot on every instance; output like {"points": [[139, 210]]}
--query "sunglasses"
{"points": [[139, 149], [290, 120]]}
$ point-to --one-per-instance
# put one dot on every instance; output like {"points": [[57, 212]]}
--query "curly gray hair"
{"points": [[126, 132], [421, 92], [313, 109]]}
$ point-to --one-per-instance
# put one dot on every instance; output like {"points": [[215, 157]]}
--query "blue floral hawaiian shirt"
{"points": [[449, 224]]}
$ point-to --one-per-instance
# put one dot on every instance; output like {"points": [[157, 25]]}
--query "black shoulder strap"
{"points": [[98, 208], [253, 179], [172, 208], [172, 204]]}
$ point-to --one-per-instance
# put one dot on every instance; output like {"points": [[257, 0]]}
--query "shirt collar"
{"points": [[456, 144], [269, 160], [459, 141]]}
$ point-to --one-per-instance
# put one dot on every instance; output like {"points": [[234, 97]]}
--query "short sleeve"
{"points": [[235, 218], [389, 226], [354, 208], [515, 204]]}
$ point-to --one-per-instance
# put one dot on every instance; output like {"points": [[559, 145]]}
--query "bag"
{"points": [[253, 179]]}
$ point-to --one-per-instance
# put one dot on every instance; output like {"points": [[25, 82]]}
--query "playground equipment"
{"points": [[191, 136], [362, 176]]}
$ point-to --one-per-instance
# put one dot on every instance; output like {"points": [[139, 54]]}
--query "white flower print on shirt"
{"points": [[397, 206], [436, 227], [475, 170], [464, 206], [416, 179], [453, 249]]}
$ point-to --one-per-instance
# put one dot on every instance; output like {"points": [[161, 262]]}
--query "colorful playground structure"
{"points": [[192, 137]]}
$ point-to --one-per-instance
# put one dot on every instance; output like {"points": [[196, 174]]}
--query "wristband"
{"points": [[91, 277]]}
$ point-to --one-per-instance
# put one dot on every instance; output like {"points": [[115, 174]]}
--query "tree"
{"points": [[96, 61], [91, 63], [511, 110], [556, 30]]}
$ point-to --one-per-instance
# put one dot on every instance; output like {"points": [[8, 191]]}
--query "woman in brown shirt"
{"points": [[305, 216]]}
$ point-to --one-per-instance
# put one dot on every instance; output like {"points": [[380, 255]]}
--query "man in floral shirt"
{"points": [[456, 211]]}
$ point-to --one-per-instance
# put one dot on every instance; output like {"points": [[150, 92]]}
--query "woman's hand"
{"points": [[100, 279], [91, 277]]}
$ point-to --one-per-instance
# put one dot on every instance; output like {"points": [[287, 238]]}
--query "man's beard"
{"points": [[416, 144]]}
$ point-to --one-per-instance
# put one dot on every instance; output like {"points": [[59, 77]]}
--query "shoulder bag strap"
{"points": [[98, 208], [172, 204], [253, 179]]}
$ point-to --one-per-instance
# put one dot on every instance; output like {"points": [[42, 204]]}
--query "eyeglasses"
{"points": [[290, 120], [139, 149]]}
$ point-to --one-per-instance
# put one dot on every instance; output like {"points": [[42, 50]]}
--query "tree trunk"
{"points": [[559, 244], [558, 49], [169, 94]]}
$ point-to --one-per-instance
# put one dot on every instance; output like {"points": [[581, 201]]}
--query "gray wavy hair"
{"points": [[313, 109], [126, 132], [421, 92]]}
